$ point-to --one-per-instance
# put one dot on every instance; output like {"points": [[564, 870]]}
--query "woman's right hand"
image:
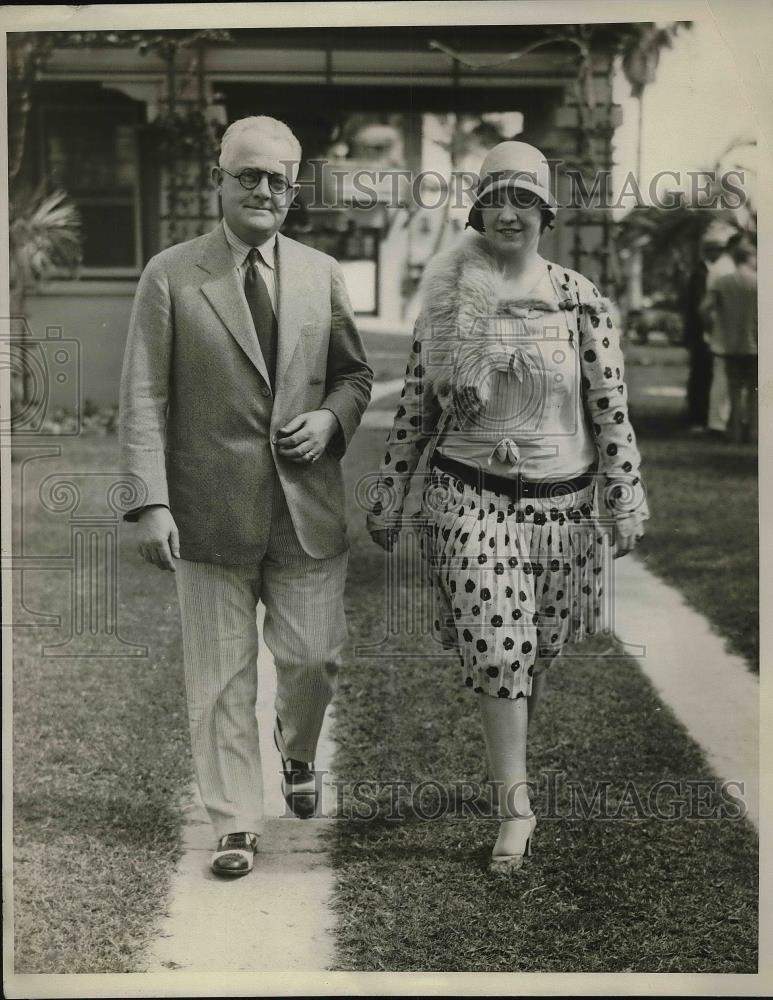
{"points": [[468, 402], [385, 537]]}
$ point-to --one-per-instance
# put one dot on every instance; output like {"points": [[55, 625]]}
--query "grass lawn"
{"points": [[632, 892], [703, 535], [100, 756]]}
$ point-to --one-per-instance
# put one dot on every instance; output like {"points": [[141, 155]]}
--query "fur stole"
{"points": [[463, 291]]}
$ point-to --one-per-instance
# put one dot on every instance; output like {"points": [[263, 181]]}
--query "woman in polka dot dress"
{"points": [[515, 377]]}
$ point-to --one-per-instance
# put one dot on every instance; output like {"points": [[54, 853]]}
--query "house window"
{"points": [[91, 153]]}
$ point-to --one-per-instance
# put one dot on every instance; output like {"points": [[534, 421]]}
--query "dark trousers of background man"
{"points": [[699, 383]]}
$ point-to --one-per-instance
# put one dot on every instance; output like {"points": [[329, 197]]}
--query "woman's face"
{"points": [[513, 221]]}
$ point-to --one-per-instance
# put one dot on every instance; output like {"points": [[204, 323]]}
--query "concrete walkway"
{"points": [[278, 917], [712, 692]]}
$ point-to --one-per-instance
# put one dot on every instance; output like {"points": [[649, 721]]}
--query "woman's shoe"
{"points": [[520, 830]]}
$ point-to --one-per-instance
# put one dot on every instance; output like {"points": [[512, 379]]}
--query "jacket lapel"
{"points": [[224, 294], [291, 301]]}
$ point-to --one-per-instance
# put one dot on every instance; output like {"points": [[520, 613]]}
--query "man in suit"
{"points": [[244, 380]]}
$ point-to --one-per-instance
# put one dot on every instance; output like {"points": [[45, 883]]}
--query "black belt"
{"points": [[515, 488]]}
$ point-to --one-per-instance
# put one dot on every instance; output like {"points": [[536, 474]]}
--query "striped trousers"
{"points": [[305, 629]]}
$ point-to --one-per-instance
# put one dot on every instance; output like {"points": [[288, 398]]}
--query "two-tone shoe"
{"points": [[234, 854], [299, 781]]}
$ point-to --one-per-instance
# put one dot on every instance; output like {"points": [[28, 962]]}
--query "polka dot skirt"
{"points": [[513, 581]]}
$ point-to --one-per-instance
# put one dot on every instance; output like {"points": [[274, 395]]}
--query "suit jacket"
{"points": [[197, 412]]}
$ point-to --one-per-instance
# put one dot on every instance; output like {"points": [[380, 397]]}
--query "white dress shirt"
{"points": [[266, 260]]}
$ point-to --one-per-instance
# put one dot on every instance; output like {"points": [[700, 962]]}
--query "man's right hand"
{"points": [[158, 540]]}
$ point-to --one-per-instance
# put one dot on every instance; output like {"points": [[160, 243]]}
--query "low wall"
{"points": [[82, 329]]}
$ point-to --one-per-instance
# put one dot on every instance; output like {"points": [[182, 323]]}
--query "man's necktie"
{"points": [[262, 311]]}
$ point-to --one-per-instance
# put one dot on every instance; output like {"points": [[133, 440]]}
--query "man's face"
{"points": [[257, 214]]}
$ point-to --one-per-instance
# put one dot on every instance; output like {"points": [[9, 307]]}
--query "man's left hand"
{"points": [[305, 438]]}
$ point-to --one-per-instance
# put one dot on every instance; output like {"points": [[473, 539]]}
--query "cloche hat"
{"points": [[512, 164]]}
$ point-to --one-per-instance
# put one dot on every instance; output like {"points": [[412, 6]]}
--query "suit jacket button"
{"points": [[265, 391]]}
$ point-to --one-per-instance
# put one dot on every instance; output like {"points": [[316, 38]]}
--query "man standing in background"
{"points": [[732, 305], [703, 411]]}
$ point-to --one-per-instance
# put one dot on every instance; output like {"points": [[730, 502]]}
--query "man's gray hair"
{"points": [[270, 127]]}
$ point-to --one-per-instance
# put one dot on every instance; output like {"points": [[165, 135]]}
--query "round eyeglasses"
{"points": [[249, 178]]}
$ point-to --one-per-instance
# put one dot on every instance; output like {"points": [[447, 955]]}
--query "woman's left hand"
{"points": [[626, 537], [305, 438]]}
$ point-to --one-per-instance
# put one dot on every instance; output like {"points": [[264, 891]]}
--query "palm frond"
{"points": [[641, 52], [44, 235]]}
